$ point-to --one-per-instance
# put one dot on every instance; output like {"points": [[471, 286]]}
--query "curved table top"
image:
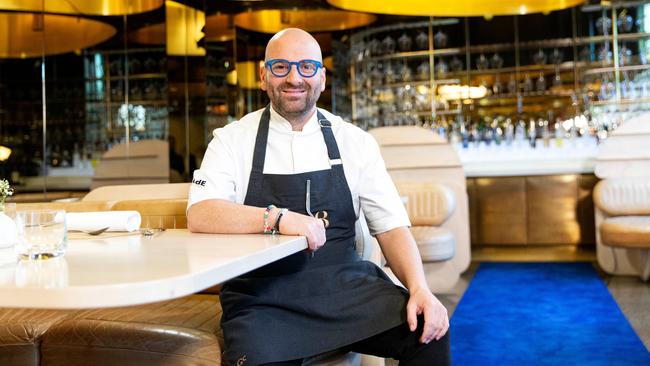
{"points": [[120, 269]]}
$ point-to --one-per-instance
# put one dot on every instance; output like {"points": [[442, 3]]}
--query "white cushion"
{"points": [[435, 243]]}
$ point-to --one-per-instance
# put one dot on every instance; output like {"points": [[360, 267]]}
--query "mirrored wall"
{"points": [[105, 92]]}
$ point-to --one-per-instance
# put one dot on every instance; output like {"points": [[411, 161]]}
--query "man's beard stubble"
{"points": [[292, 113]]}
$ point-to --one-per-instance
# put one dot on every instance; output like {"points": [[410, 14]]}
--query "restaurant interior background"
{"points": [[79, 78]]}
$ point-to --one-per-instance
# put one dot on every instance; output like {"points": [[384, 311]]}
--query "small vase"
{"points": [[7, 227]]}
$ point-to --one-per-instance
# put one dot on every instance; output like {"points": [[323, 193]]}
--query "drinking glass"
{"points": [[41, 234]]}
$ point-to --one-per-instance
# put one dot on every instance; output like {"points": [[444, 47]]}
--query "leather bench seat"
{"points": [[626, 231], [21, 332], [434, 243], [183, 331]]}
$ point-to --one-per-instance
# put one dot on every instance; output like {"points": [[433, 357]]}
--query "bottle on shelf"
{"points": [[559, 133], [464, 134], [546, 135], [509, 132], [532, 133], [520, 132]]}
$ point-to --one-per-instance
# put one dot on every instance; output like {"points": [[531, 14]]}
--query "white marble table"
{"points": [[115, 269]]}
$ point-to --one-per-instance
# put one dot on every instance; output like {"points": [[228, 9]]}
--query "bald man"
{"points": [[295, 169]]}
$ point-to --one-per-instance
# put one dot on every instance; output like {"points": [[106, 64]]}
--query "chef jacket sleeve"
{"points": [[216, 177]]}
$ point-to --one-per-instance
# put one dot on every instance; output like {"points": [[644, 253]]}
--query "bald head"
{"points": [[293, 44]]}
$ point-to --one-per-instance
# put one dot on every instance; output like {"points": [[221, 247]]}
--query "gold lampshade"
{"points": [[273, 21], [151, 34], [246, 75], [82, 7], [219, 28], [446, 8], [29, 34], [184, 26]]}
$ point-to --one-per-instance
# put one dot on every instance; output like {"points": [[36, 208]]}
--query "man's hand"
{"points": [[296, 224], [436, 320]]}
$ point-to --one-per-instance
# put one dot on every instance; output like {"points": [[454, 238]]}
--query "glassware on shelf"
{"points": [[389, 74], [135, 92], [376, 75], [115, 67], [539, 57], [134, 66], [546, 134], [557, 79], [482, 62], [512, 84], [406, 73], [585, 55], [151, 91], [497, 88], [422, 98], [532, 133], [422, 41], [556, 56], [604, 54], [388, 45], [442, 69], [440, 40], [528, 84], [162, 64], [496, 61], [456, 64], [559, 133], [509, 132], [151, 66], [603, 25], [375, 47], [624, 55], [540, 83], [625, 22], [404, 42], [423, 70]]}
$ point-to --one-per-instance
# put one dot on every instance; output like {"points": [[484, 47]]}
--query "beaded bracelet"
{"points": [[268, 229], [276, 228]]}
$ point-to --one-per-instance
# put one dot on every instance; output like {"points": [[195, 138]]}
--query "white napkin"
{"points": [[114, 220]]}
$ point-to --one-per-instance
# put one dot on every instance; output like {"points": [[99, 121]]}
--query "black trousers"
{"points": [[398, 343]]}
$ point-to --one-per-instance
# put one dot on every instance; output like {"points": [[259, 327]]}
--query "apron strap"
{"points": [[330, 141], [259, 154]]}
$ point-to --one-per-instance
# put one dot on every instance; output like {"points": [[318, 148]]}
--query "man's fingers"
{"points": [[436, 324], [441, 325], [429, 327], [412, 316]]}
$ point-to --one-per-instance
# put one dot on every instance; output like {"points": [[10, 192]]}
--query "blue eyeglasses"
{"points": [[281, 67]]}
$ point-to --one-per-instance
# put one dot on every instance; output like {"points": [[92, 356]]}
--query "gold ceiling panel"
{"points": [[184, 29], [82, 7], [219, 28], [446, 8], [272, 21], [151, 34], [25, 34]]}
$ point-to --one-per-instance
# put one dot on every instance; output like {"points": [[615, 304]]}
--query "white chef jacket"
{"points": [[226, 166]]}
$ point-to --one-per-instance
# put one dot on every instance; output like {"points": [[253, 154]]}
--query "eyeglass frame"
{"points": [[270, 64]]}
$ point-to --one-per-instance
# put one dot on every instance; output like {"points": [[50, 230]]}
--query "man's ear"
{"points": [[263, 77], [322, 87]]}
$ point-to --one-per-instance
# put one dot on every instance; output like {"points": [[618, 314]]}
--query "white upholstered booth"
{"points": [[427, 170], [622, 200]]}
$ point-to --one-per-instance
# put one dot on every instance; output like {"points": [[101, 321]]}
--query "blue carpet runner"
{"points": [[542, 314]]}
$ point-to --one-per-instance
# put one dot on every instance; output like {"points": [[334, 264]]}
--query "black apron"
{"points": [[305, 304]]}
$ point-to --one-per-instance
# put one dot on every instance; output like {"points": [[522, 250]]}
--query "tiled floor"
{"points": [[631, 294]]}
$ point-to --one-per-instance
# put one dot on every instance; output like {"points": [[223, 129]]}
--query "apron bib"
{"points": [[307, 304]]}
